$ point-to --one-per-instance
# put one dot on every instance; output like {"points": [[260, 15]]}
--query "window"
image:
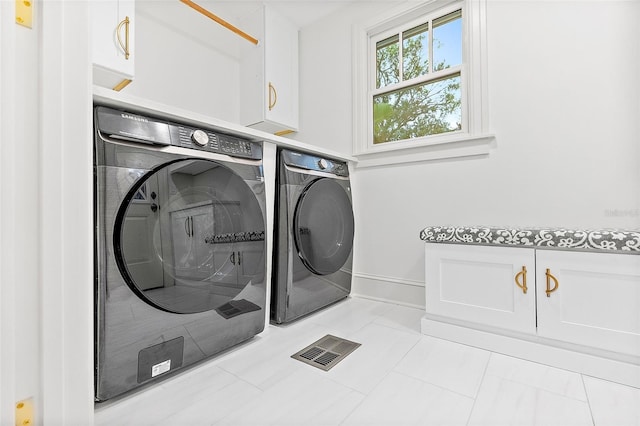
{"points": [[420, 82], [418, 74]]}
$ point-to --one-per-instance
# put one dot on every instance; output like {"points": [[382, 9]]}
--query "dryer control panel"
{"points": [[313, 162], [134, 127]]}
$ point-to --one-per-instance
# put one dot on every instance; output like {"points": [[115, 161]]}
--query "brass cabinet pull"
{"points": [[274, 99], [522, 274], [125, 45], [124, 83], [550, 277]]}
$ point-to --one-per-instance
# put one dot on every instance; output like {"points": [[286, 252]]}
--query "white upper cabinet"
{"points": [[113, 37], [269, 73], [590, 299]]}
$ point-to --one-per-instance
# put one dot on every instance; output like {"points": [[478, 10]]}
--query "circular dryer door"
{"points": [[324, 226], [189, 236]]}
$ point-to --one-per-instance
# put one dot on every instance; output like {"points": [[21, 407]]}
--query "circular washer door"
{"points": [[323, 226], [189, 236]]}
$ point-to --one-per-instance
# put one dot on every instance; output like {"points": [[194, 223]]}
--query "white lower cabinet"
{"points": [[590, 299], [580, 311], [485, 285]]}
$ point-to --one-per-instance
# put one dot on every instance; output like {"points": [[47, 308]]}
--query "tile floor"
{"points": [[397, 377]]}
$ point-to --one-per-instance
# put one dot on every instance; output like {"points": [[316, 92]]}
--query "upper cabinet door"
{"points": [[113, 24], [591, 299], [490, 286], [269, 73], [281, 70]]}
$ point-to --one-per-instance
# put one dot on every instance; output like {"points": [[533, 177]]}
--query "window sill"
{"points": [[454, 146]]}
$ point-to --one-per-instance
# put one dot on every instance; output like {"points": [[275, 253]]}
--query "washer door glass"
{"points": [[189, 236], [323, 226]]}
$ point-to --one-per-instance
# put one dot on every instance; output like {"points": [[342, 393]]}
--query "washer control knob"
{"points": [[323, 164], [200, 138]]}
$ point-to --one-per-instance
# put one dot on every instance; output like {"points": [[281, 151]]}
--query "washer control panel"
{"points": [[235, 146], [208, 140], [137, 128]]}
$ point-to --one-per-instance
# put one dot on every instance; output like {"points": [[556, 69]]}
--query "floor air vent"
{"points": [[326, 352]]}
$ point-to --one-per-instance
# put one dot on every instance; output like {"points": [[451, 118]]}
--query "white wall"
{"points": [[177, 68], [564, 103]]}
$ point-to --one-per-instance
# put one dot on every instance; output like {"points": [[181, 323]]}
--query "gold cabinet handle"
{"points": [[550, 278], [125, 45], [124, 83], [272, 100], [522, 274]]}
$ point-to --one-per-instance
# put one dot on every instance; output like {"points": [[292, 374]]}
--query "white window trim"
{"points": [[474, 140]]}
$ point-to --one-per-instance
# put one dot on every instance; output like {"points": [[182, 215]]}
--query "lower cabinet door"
{"points": [[492, 286], [591, 299]]}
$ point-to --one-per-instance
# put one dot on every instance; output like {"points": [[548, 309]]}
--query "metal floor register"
{"points": [[326, 352]]}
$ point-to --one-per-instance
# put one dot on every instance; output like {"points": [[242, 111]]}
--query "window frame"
{"points": [[474, 138]]}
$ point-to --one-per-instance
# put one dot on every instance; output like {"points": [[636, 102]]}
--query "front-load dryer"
{"points": [[313, 235], [179, 246]]}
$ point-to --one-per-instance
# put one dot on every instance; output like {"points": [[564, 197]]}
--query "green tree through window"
{"points": [[428, 99]]}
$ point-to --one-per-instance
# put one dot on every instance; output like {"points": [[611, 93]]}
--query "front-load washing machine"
{"points": [[313, 235], [179, 246]]}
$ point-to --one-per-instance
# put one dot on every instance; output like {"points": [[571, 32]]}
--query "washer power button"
{"points": [[200, 138]]}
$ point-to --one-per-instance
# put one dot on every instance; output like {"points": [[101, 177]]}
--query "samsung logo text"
{"points": [[134, 118]]}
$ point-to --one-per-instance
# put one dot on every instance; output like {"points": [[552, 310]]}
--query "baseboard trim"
{"points": [[379, 299], [387, 289], [401, 281], [543, 353]]}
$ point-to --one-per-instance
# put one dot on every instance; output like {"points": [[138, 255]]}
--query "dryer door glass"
{"points": [[189, 236], [323, 226]]}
